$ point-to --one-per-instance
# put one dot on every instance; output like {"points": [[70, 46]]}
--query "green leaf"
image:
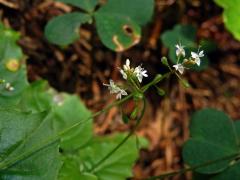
{"points": [[69, 112], [20, 132], [66, 110], [64, 29], [118, 22], [231, 15], [37, 97], [117, 167], [186, 35], [237, 129], [12, 67], [233, 173], [212, 137], [87, 5]]}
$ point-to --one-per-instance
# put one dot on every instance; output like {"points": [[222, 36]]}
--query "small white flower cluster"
{"points": [[126, 72], [139, 72], [7, 85], [114, 89], [195, 58]]}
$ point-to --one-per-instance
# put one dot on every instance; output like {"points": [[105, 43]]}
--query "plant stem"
{"points": [[182, 171], [123, 141], [40, 145]]}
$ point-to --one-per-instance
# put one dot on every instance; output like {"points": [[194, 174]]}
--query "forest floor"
{"points": [[83, 67]]}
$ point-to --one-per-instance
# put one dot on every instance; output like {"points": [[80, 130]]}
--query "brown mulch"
{"points": [[84, 66]]}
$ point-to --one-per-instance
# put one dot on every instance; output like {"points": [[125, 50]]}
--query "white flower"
{"points": [[126, 67], [9, 87], [179, 67], [180, 50], [120, 93], [197, 56], [114, 89], [140, 73]]}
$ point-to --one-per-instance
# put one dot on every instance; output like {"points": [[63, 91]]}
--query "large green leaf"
{"points": [[87, 5], [212, 137], [186, 35], [37, 97], [237, 129], [118, 22], [20, 133], [64, 29], [118, 166], [70, 112], [12, 67], [231, 15], [66, 110], [233, 173]]}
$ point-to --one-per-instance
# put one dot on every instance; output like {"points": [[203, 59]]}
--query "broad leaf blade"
{"points": [[117, 166], [117, 32], [19, 135], [64, 29], [232, 172], [70, 112], [12, 67], [119, 22], [212, 138], [66, 110], [139, 11], [231, 15]]}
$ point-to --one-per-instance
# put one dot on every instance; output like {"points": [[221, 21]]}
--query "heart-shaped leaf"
{"points": [[212, 137], [64, 29], [87, 5], [119, 22], [13, 79]]}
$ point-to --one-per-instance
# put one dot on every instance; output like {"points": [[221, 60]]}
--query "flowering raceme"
{"points": [[114, 89], [129, 74], [194, 59]]}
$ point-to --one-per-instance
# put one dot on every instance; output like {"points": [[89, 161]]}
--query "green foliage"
{"points": [[118, 23], [42, 121], [186, 35], [64, 29], [118, 167], [213, 137], [39, 96], [20, 133], [12, 67], [231, 15]]}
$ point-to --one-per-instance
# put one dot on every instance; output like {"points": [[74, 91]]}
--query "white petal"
{"points": [[198, 61], [194, 55], [119, 96], [181, 70], [201, 54], [127, 62]]}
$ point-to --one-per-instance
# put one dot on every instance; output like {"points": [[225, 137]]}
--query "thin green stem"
{"points": [[9, 162], [184, 170], [95, 166], [152, 83]]}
